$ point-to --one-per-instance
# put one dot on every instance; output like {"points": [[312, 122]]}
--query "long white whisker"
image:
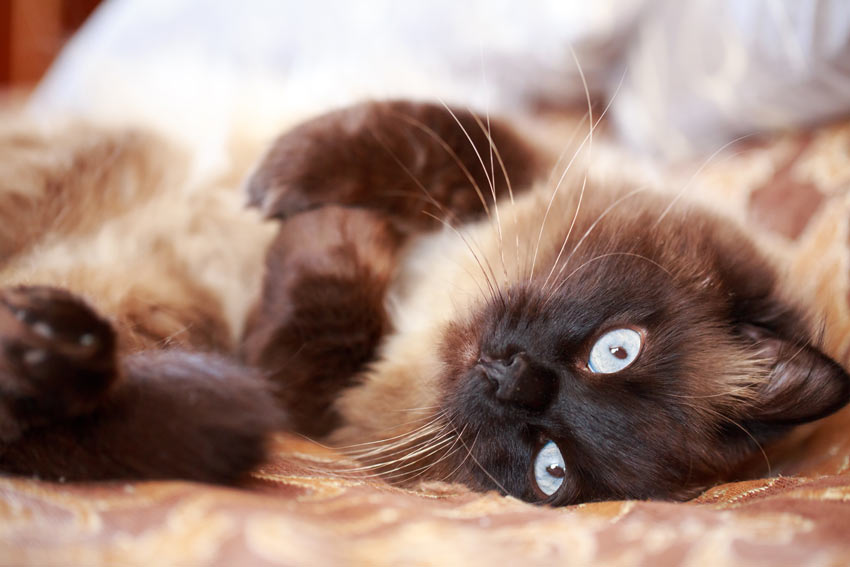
{"points": [[567, 168], [409, 457], [563, 282], [448, 149], [595, 223], [480, 466], [494, 288], [694, 176], [423, 469], [504, 169], [490, 180], [433, 419], [493, 285], [567, 237]]}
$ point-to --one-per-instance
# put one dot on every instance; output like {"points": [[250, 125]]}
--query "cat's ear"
{"points": [[803, 383]]}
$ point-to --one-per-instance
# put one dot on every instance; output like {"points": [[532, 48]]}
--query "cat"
{"points": [[556, 340], [581, 341]]}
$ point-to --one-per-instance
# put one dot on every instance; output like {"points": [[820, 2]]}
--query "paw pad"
{"points": [[56, 350]]}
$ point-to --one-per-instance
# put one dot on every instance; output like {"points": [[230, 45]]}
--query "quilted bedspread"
{"points": [[302, 509]]}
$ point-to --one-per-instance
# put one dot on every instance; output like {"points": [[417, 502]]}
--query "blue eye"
{"points": [[549, 469], [614, 351]]}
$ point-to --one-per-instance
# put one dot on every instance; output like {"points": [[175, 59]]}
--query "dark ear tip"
{"points": [[803, 385], [843, 395], [825, 390]]}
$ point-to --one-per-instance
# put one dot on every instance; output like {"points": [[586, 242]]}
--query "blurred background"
{"points": [[32, 32], [682, 77]]}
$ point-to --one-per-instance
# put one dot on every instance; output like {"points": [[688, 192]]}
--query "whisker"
{"points": [[480, 466], [589, 152], [490, 180], [448, 149], [393, 445], [696, 174], [448, 476], [593, 126], [504, 169], [494, 288], [423, 408], [400, 472], [436, 203], [409, 476], [419, 452], [757, 444], [567, 237], [595, 223], [433, 419], [601, 257], [450, 452]]}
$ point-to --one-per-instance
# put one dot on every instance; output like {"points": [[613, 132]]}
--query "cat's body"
{"points": [[462, 354]]}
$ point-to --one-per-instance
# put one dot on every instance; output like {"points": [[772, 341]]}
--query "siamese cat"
{"points": [[433, 302]]}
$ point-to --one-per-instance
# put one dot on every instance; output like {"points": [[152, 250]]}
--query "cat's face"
{"points": [[639, 360]]}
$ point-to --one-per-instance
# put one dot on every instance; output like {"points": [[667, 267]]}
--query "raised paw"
{"points": [[322, 311], [57, 357], [410, 161]]}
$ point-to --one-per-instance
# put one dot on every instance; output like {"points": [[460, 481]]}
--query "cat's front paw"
{"points": [[57, 357], [334, 159], [410, 161]]}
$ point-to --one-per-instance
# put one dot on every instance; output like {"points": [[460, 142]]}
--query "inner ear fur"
{"points": [[803, 384]]}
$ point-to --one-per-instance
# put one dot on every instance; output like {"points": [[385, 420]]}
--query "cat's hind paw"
{"points": [[57, 356]]}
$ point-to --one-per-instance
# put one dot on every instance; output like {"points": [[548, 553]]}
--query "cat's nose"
{"points": [[519, 380]]}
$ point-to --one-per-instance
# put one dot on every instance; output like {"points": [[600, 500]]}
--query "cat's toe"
{"points": [[57, 356], [278, 198]]}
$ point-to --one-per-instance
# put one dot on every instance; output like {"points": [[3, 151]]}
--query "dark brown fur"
{"points": [[73, 409], [410, 161], [322, 310]]}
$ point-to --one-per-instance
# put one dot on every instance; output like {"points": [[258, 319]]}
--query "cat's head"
{"points": [[637, 352]]}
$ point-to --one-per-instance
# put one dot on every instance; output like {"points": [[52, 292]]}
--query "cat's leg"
{"points": [[322, 313], [72, 407], [410, 161]]}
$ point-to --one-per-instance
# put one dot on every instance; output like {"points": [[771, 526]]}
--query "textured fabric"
{"points": [[302, 509]]}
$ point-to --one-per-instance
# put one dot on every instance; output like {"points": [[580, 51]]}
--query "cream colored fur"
{"points": [[116, 216]]}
